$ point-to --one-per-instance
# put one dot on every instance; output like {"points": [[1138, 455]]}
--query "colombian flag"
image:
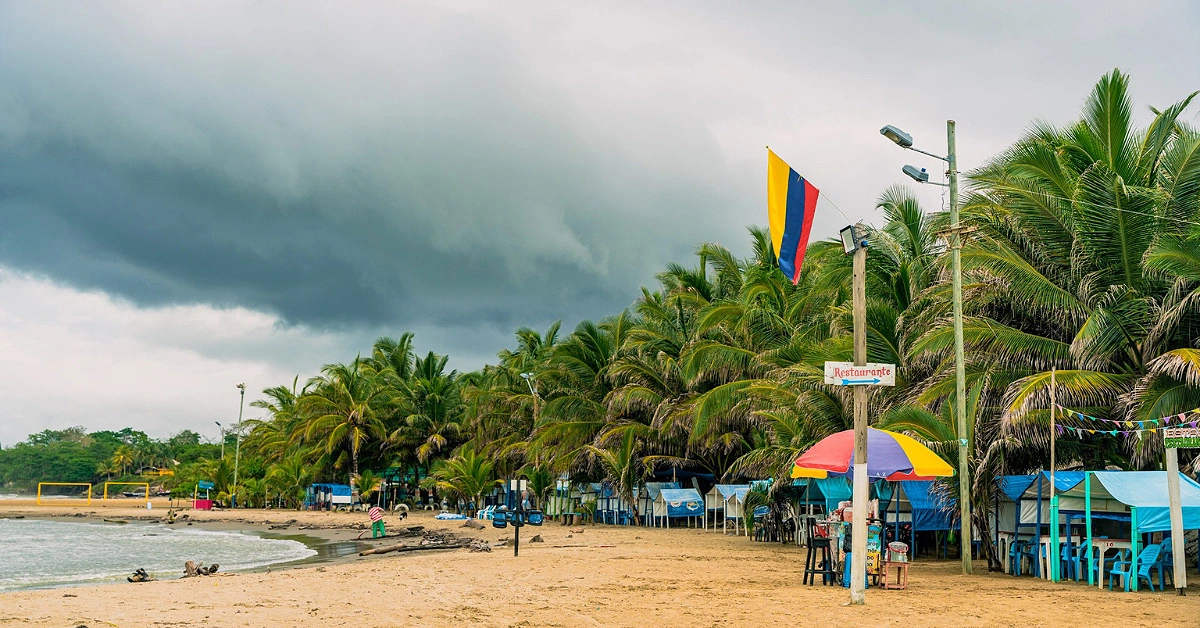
{"points": [[791, 203]]}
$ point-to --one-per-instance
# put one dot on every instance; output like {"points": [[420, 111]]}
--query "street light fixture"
{"points": [[220, 427], [904, 140]]}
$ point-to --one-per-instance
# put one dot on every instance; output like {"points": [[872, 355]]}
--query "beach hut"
{"points": [[322, 496], [1139, 497], [678, 502], [727, 499], [647, 495], [610, 508], [1029, 511]]}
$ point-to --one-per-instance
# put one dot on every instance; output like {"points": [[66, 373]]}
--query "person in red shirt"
{"points": [[376, 515]]}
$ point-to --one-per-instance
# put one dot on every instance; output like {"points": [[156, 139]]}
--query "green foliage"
{"points": [[75, 455]]}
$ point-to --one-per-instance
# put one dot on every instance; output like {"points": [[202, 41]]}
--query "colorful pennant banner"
{"points": [[1124, 428]]}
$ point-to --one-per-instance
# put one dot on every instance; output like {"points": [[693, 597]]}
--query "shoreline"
{"points": [[334, 542]]}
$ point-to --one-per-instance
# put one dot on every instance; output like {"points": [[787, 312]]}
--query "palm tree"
{"points": [[124, 457], [273, 437], [466, 475], [1081, 233], [291, 476], [343, 407], [433, 408], [368, 483], [620, 464]]}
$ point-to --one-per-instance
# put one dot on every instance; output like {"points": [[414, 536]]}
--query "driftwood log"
{"points": [[409, 548], [191, 569]]}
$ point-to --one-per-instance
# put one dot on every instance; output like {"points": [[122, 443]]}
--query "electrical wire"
{"points": [[826, 196]]}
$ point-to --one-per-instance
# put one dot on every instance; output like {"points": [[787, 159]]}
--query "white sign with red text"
{"points": [[869, 374]]}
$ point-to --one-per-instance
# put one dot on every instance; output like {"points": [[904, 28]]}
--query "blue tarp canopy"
{"points": [[338, 490], [681, 502], [1063, 481], [729, 490], [653, 488], [1014, 486], [829, 491], [834, 490], [930, 510]]}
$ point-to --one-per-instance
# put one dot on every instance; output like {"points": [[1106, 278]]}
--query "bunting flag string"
{"points": [[1123, 428]]}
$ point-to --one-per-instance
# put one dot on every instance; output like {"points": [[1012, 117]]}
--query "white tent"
{"points": [[729, 499]]}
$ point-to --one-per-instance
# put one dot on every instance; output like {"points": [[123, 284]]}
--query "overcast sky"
{"points": [[193, 196]]}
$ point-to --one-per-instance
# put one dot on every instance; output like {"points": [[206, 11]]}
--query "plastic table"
{"points": [[1102, 546]]}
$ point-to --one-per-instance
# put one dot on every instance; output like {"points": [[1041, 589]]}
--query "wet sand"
{"points": [[605, 576]]}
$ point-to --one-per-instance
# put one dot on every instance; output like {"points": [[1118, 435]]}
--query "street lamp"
{"points": [[904, 140], [237, 452], [222, 438]]}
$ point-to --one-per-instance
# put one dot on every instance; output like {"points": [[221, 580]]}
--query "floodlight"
{"points": [[849, 239], [920, 176], [904, 140]]}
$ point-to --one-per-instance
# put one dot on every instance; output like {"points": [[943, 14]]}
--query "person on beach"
{"points": [[376, 515]]}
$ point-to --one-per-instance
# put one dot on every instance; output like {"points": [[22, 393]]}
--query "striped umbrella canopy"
{"points": [[890, 456]]}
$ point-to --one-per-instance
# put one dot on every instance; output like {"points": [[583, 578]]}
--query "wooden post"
{"points": [[1177, 541], [858, 525]]}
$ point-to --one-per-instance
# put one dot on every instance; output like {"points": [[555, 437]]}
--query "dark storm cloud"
{"points": [[465, 168], [337, 167]]}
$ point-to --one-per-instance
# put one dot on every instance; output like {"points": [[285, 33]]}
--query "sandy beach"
{"points": [[606, 575]]}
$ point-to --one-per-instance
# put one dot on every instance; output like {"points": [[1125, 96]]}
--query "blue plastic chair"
{"points": [[1110, 560], [1016, 551], [1145, 562], [1165, 563], [1072, 561]]}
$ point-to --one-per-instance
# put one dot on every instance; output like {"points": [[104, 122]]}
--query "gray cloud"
{"points": [[463, 170]]}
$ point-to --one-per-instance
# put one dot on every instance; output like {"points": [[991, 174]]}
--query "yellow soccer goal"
{"points": [[143, 484], [62, 498]]}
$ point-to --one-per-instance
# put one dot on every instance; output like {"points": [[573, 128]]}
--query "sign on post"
{"points": [[1174, 437], [870, 374]]}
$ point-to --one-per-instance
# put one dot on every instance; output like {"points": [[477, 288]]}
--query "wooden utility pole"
{"points": [[960, 376], [858, 524], [1177, 544]]}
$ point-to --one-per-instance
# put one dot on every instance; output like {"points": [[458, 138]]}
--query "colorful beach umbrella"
{"points": [[890, 456]]}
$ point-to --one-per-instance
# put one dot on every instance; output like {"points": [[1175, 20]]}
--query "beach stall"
{"points": [[677, 503], [610, 508], [727, 499], [917, 504], [1137, 497], [1031, 518], [647, 495], [206, 502], [323, 496]]}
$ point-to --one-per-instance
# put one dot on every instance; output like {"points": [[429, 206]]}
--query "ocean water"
{"points": [[40, 554]]}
